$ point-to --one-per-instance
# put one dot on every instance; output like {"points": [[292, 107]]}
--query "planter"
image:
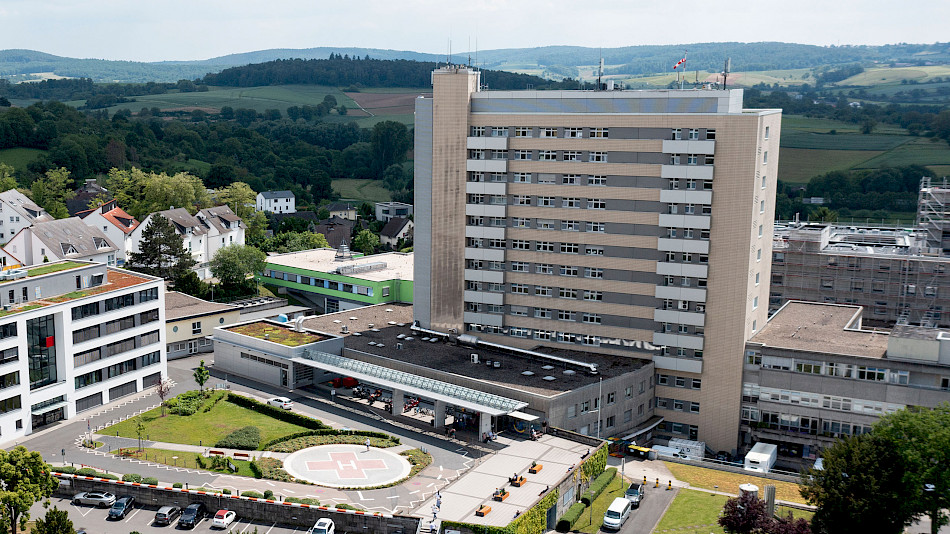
{"points": [[500, 496], [483, 510], [534, 469], [520, 481]]}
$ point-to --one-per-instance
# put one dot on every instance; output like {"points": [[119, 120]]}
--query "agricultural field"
{"points": [[257, 98], [389, 105], [891, 76], [361, 190], [797, 165], [19, 158]]}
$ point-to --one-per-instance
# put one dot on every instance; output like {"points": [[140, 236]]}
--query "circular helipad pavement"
{"points": [[347, 466]]}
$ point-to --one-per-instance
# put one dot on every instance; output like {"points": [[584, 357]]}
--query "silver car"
{"points": [[101, 499]]}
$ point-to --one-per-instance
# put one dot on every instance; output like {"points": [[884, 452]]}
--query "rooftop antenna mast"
{"points": [[600, 72], [725, 71], [469, 50]]}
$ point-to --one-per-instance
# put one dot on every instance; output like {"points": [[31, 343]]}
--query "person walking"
{"points": [[367, 444]]}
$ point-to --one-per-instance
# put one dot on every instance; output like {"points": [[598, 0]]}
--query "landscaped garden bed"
{"points": [[278, 334]]}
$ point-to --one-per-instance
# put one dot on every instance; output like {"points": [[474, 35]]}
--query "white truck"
{"points": [[691, 450], [761, 457]]}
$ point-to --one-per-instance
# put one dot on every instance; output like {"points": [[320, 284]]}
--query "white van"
{"points": [[617, 513]]}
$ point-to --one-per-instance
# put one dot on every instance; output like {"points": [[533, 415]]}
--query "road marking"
{"points": [[411, 492], [440, 468], [137, 510], [270, 483], [393, 497], [271, 528], [289, 490], [360, 493]]}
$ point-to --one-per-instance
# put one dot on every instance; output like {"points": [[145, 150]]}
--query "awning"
{"points": [[524, 416], [651, 423], [49, 408]]}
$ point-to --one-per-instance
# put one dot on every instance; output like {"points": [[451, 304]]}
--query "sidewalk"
{"points": [[126, 443]]}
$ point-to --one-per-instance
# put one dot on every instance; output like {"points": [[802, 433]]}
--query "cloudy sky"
{"points": [[156, 30]]}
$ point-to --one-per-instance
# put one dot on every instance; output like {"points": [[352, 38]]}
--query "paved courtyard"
{"points": [[462, 498], [348, 466]]}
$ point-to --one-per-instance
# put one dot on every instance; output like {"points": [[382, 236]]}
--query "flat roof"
{"points": [[456, 359], [179, 305], [821, 328], [280, 333], [398, 264]]}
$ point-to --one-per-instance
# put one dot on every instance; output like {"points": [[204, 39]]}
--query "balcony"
{"points": [[692, 270], [490, 143], [698, 246], [484, 297], [680, 293], [686, 196], [687, 146], [679, 317], [694, 172], [671, 220], [686, 365], [677, 340], [486, 165], [486, 188]]}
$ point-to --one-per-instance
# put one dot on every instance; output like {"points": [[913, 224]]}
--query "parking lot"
{"points": [[141, 519]]}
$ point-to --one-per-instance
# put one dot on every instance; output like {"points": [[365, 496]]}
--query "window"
{"points": [[765, 157], [520, 244], [569, 248], [567, 293], [548, 132], [568, 270], [597, 227], [596, 204], [565, 315], [522, 177], [520, 222], [544, 291], [521, 200], [594, 251], [545, 246], [593, 295], [693, 134], [499, 132], [674, 159], [598, 157], [547, 155], [547, 202], [761, 206], [570, 179], [544, 268], [573, 133], [521, 289], [599, 133], [570, 202], [766, 132], [692, 159], [689, 209], [571, 226], [710, 134], [591, 318], [522, 131], [544, 178], [519, 266], [523, 155], [542, 313], [591, 272], [597, 180], [478, 131]]}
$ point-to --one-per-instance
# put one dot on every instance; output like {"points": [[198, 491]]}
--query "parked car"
{"points": [[223, 518], [166, 515], [616, 514], [281, 402], [635, 494], [123, 505], [322, 526], [102, 499], [192, 515]]}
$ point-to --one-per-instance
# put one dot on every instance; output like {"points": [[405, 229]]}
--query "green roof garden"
{"points": [[278, 334], [47, 268]]}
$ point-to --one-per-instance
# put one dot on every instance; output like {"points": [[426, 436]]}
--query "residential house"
{"points": [[190, 228], [387, 210], [17, 212], [62, 239], [277, 202], [337, 230], [224, 228], [115, 223], [86, 193], [343, 210], [397, 228]]}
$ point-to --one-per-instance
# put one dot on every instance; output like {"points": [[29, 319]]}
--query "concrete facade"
{"points": [[277, 202], [815, 374], [189, 323], [74, 339], [635, 223], [387, 210]]}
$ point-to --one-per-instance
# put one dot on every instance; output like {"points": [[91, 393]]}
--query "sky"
{"points": [[159, 30]]}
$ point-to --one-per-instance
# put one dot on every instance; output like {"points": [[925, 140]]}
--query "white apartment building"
{"points": [[18, 212], [115, 223], [61, 239], [277, 202]]}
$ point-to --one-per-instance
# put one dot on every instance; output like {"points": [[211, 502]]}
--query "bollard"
{"points": [[657, 482], [670, 486], [644, 480]]}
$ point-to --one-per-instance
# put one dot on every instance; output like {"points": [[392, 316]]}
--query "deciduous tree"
{"points": [[162, 389], [52, 190], [202, 374], [56, 522], [7, 177], [233, 263], [366, 242], [744, 514], [25, 479]]}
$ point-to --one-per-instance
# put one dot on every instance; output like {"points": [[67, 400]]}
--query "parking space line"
{"points": [[289, 490], [271, 528], [137, 510]]}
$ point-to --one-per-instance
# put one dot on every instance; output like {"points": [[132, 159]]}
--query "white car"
{"points": [[223, 518], [322, 526], [281, 402], [100, 499]]}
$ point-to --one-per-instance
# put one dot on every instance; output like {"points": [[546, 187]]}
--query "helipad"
{"points": [[347, 466]]}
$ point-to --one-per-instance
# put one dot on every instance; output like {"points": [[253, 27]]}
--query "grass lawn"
{"points": [[19, 158], [277, 334], [53, 268], [208, 427], [798, 165], [596, 510], [362, 190], [186, 459], [693, 512], [728, 482]]}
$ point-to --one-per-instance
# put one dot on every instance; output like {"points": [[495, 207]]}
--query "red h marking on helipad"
{"points": [[346, 465]]}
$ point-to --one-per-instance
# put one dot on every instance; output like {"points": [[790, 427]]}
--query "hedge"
{"points": [[329, 432], [132, 477], [68, 469], [150, 480], [256, 469], [570, 517], [599, 485], [245, 438], [252, 493], [277, 413]]}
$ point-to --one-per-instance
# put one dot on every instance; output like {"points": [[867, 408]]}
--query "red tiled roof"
{"points": [[122, 220]]}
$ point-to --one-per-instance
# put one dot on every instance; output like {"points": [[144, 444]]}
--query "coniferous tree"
{"points": [[161, 252]]}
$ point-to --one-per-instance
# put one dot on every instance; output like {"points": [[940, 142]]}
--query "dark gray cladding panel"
{"points": [[581, 104]]}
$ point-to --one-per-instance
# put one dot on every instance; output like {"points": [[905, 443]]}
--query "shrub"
{"points": [[256, 470], [226, 491], [177, 485], [131, 477], [597, 487], [269, 494], [570, 517], [302, 440], [272, 468], [200, 461], [150, 480], [186, 403], [277, 413], [252, 493], [303, 500], [246, 438], [212, 400], [345, 506], [107, 476], [65, 469]]}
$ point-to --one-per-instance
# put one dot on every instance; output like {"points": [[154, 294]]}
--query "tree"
{"points": [[860, 488], [323, 214], [233, 263], [202, 374], [243, 201], [823, 214], [7, 177], [161, 251], [162, 389], [790, 525], [52, 190], [139, 430], [190, 284], [25, 480], [366, 242], [56, 522], [390, 140], [922, 438], [744, 514]]}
